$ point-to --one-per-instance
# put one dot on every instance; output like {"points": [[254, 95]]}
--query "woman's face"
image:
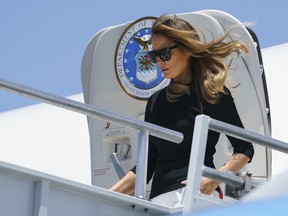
{"points": [[178, 67]]}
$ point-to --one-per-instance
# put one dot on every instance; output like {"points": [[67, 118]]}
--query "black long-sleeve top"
{"points": [[167, 161]]}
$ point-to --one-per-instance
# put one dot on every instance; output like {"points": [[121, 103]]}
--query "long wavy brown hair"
{"points": [[208, 68]]}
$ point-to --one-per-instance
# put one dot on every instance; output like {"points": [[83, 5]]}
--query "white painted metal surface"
{"points": [[26, 192]]}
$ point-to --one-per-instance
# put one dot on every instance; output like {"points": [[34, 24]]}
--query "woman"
{"points": [[198, 73]]}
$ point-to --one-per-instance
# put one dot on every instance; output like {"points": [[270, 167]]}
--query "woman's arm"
{"points": [[126, 185], [234, 164]]}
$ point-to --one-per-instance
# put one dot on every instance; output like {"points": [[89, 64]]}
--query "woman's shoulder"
{"points": [[150, 106], [226, 95], [152, 99], [225, 101], [155, 95]]}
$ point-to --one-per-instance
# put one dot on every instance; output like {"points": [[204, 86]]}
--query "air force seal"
{"points": [[137, 75]]}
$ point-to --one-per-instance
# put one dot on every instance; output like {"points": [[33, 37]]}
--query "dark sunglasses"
{"points": [[164, 54]]}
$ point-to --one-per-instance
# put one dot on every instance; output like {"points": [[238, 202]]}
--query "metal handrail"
{"points": [[92, 111], [224, 177], [145, 129]]}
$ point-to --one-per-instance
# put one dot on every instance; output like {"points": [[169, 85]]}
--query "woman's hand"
{"points": [[234, 164], [207, 186], [126, 185]]}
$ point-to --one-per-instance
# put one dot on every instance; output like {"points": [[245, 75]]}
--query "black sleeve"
{"points": [[152, 151], [226, 111]]}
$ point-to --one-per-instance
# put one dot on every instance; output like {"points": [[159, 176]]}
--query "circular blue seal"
{"points": [[137, 75]]}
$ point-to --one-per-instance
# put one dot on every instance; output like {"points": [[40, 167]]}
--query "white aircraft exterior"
{"points": [[48, 160]]}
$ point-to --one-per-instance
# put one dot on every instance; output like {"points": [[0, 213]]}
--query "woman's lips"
{"points": [[164, 69]]}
